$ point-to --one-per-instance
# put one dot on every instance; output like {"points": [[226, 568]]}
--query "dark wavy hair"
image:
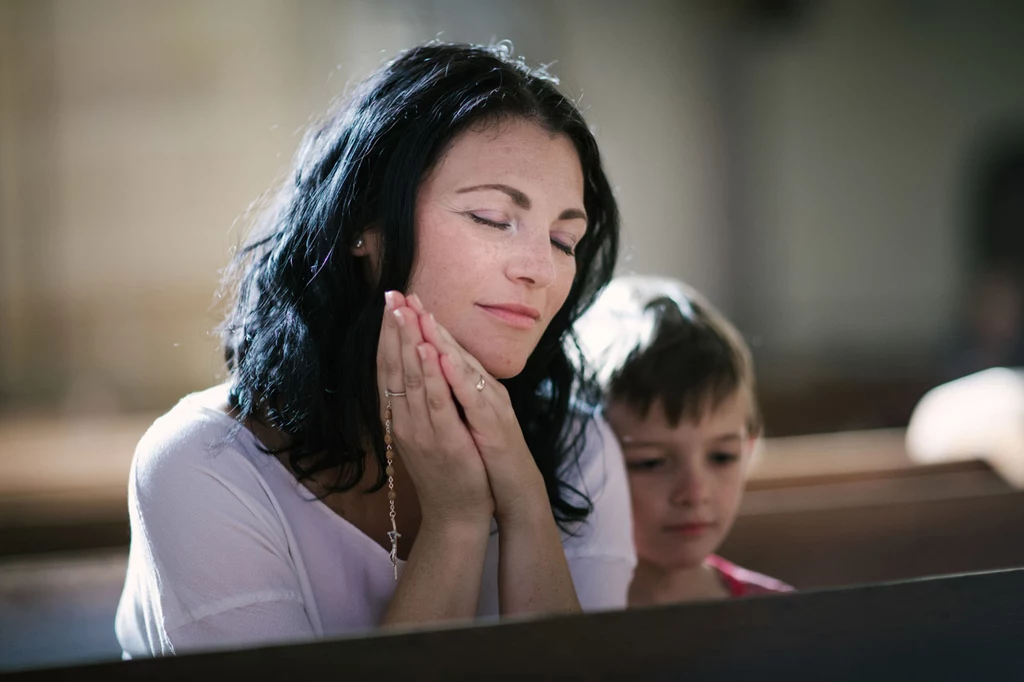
{"points": [[301, 335]]}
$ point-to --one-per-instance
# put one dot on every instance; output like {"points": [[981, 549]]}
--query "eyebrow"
{"points": [[521, 200], [725, 437], [628, 442]]}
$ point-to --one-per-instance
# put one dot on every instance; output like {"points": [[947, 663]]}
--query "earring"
{"points": [[389, 453], [359, 243]]}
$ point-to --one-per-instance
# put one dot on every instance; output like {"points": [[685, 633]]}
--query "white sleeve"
{"points": [[260, 622], [600, 553], [209, 564]]}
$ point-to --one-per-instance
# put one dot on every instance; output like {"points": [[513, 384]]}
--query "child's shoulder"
{"points": [[743, 582]]}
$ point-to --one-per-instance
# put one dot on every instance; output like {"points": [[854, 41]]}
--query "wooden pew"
{"points": [[64, 482], [966, 627], [59, 609], [820, 511], [860, 527]]}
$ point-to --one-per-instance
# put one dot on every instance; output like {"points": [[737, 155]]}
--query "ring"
{"points": [[393, 394], [480, 384]]}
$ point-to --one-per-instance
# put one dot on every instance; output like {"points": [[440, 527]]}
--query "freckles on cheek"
{"points": [[565, 288]]}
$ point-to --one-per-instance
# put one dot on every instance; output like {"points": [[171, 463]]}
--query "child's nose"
{"points": [[690, 489]]}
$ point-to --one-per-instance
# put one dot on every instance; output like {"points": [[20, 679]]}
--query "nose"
{"points": [[690, 488], [530, 259]]}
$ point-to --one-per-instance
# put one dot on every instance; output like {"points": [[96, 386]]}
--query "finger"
{"points": [[435, 333], [414, 302], [415, 400], [444, 416], [482, 407], [466, 368], [477, 405], [389, 358]]}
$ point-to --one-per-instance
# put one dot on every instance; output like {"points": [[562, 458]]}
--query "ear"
{"points": [[367, 243], [366, 248], [754, 446], [359, 246]]}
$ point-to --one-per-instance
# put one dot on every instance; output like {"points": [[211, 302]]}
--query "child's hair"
{"points": [[656, 339]]}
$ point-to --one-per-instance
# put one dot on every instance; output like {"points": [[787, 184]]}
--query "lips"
{"points": [[513, 314], [688, 529]]}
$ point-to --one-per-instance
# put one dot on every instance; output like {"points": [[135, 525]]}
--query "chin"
{"points": [[687, 560], [682, 560], [501, 363], [503, 368]]}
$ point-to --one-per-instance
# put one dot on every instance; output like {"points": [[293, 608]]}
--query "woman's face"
{"points": [[686, 481], [497, 221]]}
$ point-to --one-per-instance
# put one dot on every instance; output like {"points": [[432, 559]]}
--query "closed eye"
{"points": [[489, 223], [567, 249]]}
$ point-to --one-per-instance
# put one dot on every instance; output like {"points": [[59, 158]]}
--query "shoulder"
{"points": [[200, 489], [600, 550], [191, 447], [207, 533], [599, 469], [599, 474], [743, 582]]}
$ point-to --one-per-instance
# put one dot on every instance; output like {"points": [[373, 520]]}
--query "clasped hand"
{"points": [[464, 469]]}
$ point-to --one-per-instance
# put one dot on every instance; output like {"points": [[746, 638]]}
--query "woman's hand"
{"points": [[431, 441], [515, 480], [533, 574]]}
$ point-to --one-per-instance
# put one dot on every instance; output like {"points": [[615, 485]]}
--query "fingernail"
{"points": [[398, 318], [389, 300], [415, 300], [422, 350]]}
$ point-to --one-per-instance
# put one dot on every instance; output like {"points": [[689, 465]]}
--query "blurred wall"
{"points": [[858, 126], [804, 169], [135, 134]]}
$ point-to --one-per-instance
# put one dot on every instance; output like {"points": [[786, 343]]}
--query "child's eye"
{"points": [[645, 464], [722, 458]]}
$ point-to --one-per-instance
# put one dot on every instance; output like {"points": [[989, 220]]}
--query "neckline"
{"points": [[304, 493], [724, 571]]}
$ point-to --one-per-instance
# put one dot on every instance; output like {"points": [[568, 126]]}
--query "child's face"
{"points": [[686, 482]]}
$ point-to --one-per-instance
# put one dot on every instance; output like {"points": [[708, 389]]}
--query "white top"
{"points": [[229, 550], [979, 416]]}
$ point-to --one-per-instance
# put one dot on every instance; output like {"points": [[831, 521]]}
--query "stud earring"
{"points": [[359, 243]]}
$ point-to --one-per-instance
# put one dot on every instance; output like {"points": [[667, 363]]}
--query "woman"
{"points": [[379, 457]]}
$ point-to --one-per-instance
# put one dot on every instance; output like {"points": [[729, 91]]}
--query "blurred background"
{"points": [[844, 179]]}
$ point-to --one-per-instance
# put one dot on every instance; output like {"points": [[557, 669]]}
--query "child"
{"points": [[679, 395]]}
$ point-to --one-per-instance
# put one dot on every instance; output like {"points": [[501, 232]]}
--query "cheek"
{"points": [[566, 275], [730, 492], [647, 498], [446, 262], [434, 237]]}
